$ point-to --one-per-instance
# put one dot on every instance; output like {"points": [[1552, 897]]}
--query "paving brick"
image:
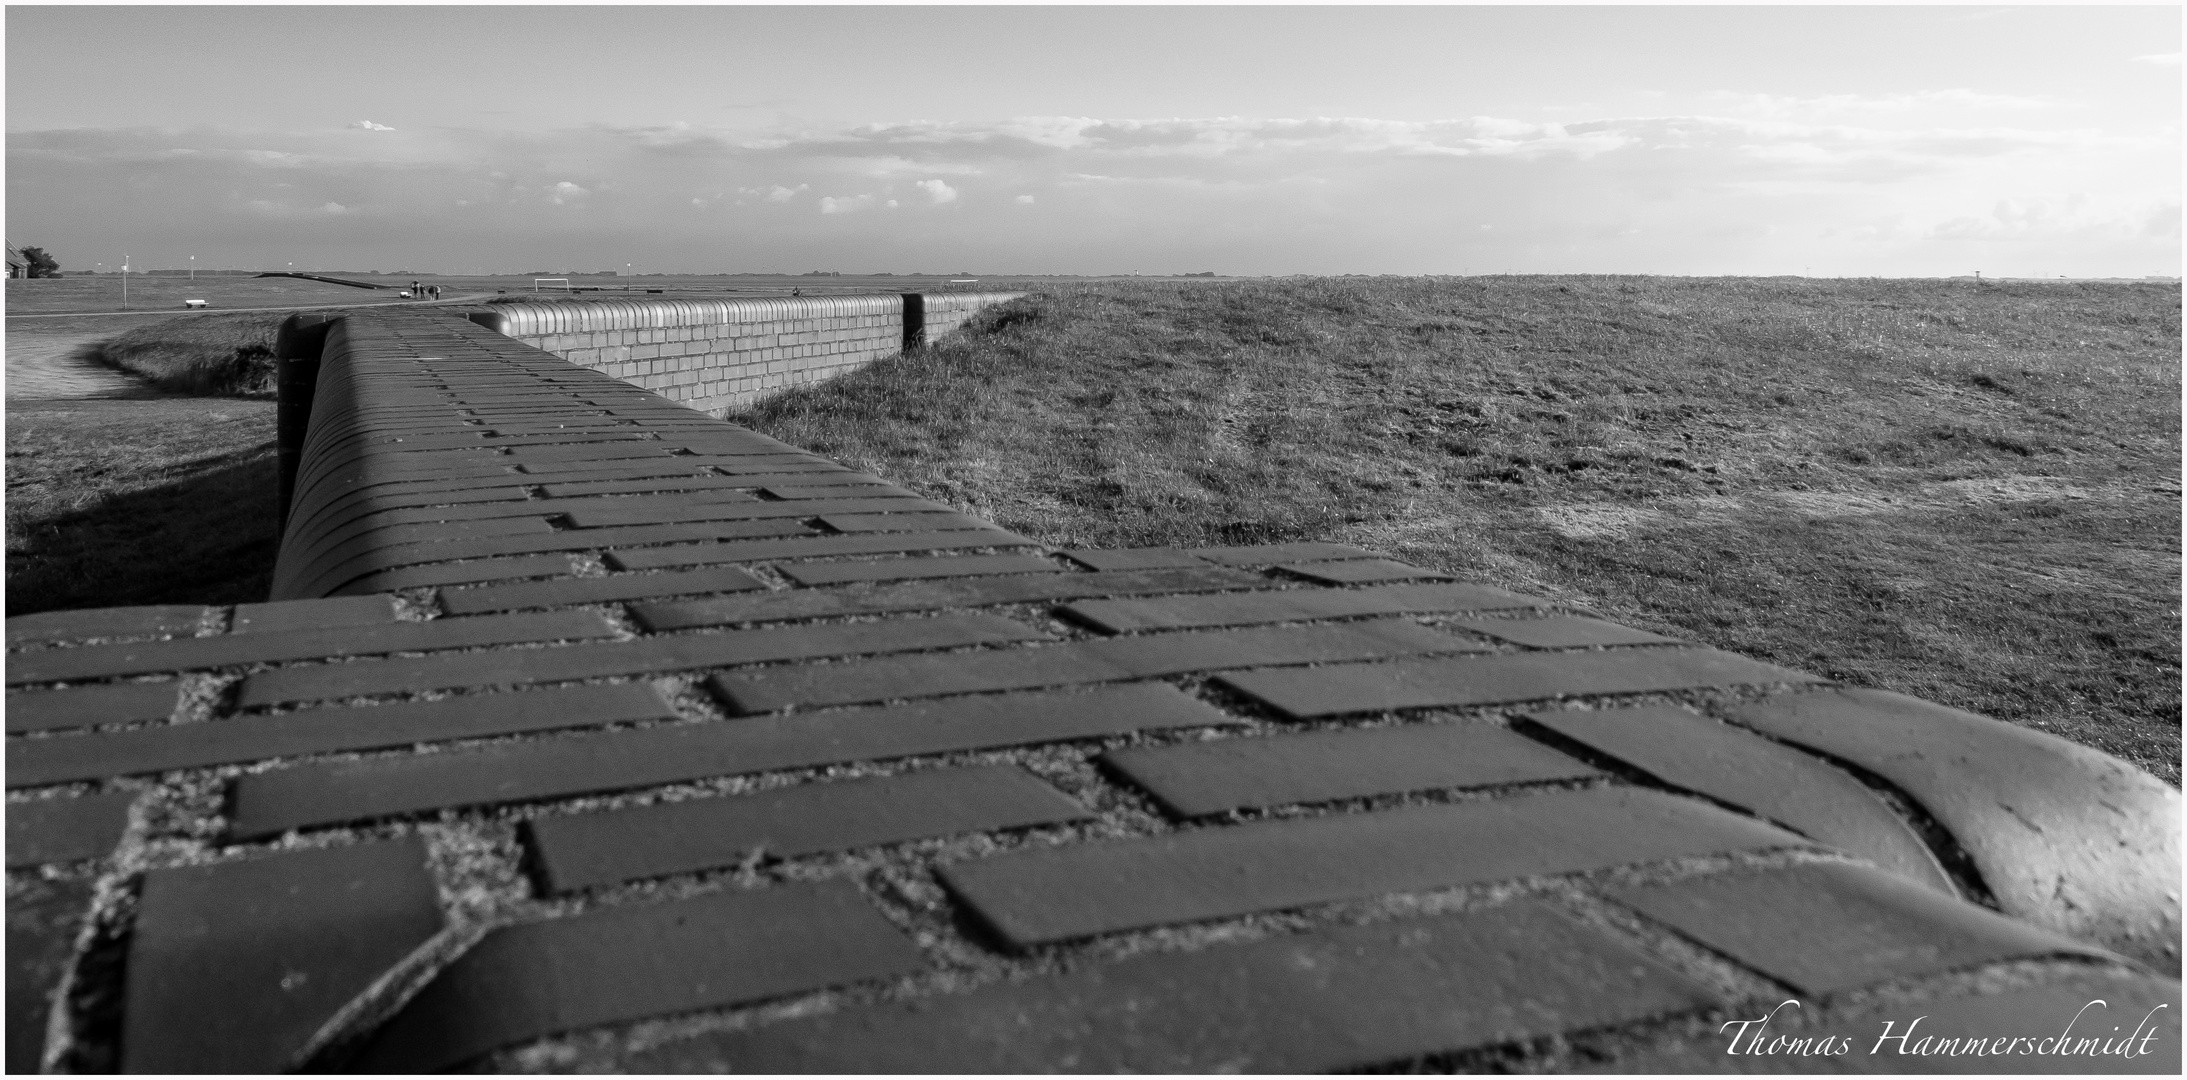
{"points": [[1197, 779], [523, 666], [233, 967], [1288, 605], [1563, 632], [903, 521], [1134, 559], [43, 920], [89, 706], [165, 620], [66, 829], [869, 490], [581, 851], [905, 569], [329, 574], [2066, 837], [2063, 1027], [1272, 554], [287, 616], [1767, 779], [1822, 928], [1344, 997], [698, 481], [639, 960], [1492, 680], [528, 455], [1055, 894], [469, 572], [612, 512], [818, 547], [1151, 656], [926, 595], [319, 731], [596, 590], [313, 795], [97, 661], [1360, 572]]}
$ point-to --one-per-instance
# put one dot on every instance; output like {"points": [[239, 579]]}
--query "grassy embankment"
{"points": [[1965, 492], [200, 354], [149, 501]]}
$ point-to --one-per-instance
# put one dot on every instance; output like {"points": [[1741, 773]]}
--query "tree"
{"points": [[41, 264]]}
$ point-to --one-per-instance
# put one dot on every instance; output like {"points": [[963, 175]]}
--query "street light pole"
{"points": [[193, 268], [125, 279]]}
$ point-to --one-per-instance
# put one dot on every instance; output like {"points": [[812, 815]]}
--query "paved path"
{"points": [[602, 735]]}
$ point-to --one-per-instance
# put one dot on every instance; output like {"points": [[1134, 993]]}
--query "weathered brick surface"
{"points": [[1823, 928], [1347, 997], [714, 840], [624, 963], [905, 569], [816, 548], [2065, 837], [43, 921], [930, 594], [95, 661], [1358, 688], [1290, 605], [1197, 779], [101, 755], [1042, 896], [523, 667], [91, 706], [234, 967], [1769, 779], [726, 579], [67, 828], [272, 802], [164, 620], [1078, 662], [584, 850]]}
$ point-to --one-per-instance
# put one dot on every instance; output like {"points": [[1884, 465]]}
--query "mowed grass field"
{"points": [[1968, 492]]}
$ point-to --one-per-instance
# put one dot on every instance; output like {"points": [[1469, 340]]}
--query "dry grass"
{"points": [[1966, 492], [200, 354]]}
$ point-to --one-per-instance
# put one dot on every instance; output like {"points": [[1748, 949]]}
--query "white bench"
{"points": [[193, 303]]}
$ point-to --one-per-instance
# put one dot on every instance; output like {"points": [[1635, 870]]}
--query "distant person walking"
{"points": [[435, 290]]}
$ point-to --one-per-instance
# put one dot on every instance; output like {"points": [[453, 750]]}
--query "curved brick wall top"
{"points": [[582, 316], [618, 737]]}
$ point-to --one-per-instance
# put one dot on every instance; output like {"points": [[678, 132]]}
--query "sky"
{"points": [[1750, 140]]}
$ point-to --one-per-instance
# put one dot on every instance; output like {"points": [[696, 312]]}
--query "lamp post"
{"points": [[125, 279], [193, 268]]}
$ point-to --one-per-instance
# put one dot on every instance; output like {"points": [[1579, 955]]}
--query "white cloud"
{"points": [[1024, 200], [566, 193], [783, 194], [2170, 59], [938, 191], [892, 204], [335, 208], [847, 204], [368, 125]]}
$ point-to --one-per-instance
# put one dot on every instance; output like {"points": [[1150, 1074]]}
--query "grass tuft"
{"points": [[1965, 492]]}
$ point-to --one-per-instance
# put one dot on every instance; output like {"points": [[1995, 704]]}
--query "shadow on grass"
{"points": [[209, 538]]}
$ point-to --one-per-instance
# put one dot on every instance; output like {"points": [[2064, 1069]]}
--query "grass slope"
{"points": [[200, 354], [117, 502], [1963, 491]]}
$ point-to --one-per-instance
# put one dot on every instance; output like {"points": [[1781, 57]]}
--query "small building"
{"points": [[18, 266]]}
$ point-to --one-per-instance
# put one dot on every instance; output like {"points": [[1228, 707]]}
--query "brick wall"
{"points": [[717, 355]]}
